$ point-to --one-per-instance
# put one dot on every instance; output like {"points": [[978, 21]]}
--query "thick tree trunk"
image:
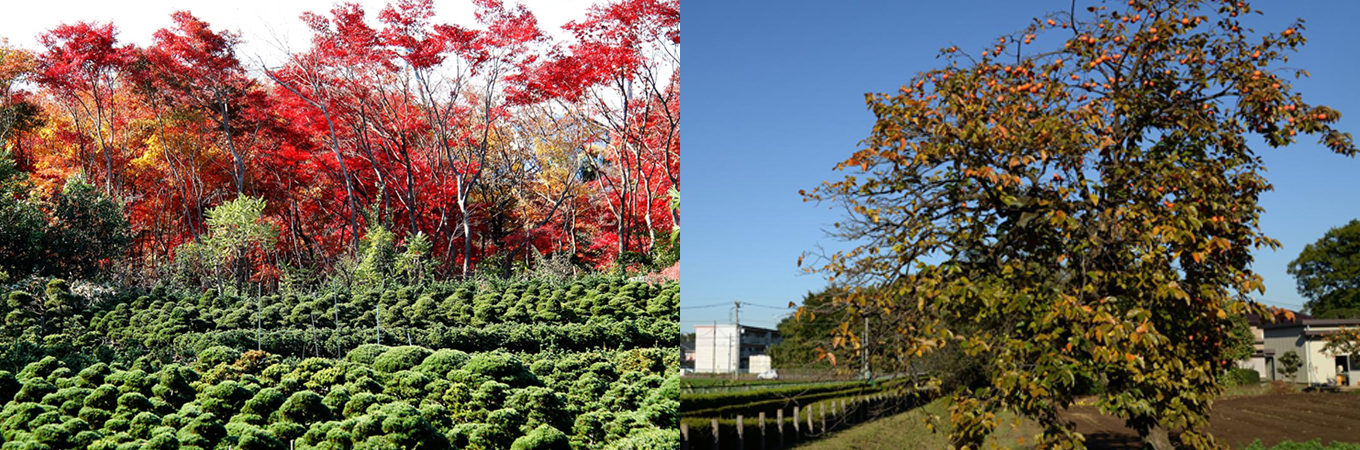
{"points": [[1157, 438]]}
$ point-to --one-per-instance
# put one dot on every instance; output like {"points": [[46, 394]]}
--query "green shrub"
{"points": [[408, 385], [163, 441], [225, 399], [442, 361], [103, 397], [94, 416], [365, 354], [213, 356], [540, 406], [133, 401], [544, 437], [287, 430], [304, 407], [1240, 377], [648, 439], [254, 438], [142, 424], [398, 425], [204, 431], [396, 359], [326, 380], [264, 402], [85, 439], [52, 435], [502, 367], [40, 368], [33, 390], [94, 375], [174, 384]]}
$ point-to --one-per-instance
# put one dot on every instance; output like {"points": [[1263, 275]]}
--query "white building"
{"points": [[722, 349], [1305, 336], [759, 364], [1262, 359]]}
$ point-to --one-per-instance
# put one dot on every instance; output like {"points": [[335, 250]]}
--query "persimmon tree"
{"points": [[1344, 341], [1075, 204]]}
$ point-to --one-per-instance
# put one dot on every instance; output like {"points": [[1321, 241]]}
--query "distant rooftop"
{"points": [[748, 327]]}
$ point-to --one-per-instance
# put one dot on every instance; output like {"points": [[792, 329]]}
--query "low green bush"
{"points": [[1240, 377], [544, 437], [397, 359]]}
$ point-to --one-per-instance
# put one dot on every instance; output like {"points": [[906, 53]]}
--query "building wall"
{"points": [[760, 363], [723, 350], [715, 349], [1283, 340], [1319, 366], [1257, 363]]}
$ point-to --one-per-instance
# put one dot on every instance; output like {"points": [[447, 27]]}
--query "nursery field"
{"points": [[586, 363], [401, 233]]}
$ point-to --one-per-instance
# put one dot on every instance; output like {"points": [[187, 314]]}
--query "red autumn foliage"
{"points": [[491, 139]]}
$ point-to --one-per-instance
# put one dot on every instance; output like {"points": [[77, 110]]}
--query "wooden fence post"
{"points": [[715, 434], [779, 425], [809, 420], [684, 436], [795, 421], [741, 432], [762, 430], [823, 408]]}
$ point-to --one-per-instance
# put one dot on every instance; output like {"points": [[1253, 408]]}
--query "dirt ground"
{"points": [[1238, 421]]}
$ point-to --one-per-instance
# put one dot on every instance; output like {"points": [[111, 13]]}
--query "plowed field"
{"points": [[1240, 420]]}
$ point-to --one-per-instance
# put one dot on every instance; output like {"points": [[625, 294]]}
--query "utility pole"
{"points": [[714, 335], [736, 365]]}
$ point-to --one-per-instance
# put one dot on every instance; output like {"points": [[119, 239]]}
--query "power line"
{"points": [[781, 308], [715, 305]]}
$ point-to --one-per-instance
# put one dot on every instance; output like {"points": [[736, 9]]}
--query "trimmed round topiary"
{"points": [[264, 402], [305, 407], [365, 354], [502, 367], [441, 362], [544, 437], [397, 359], [213, 356]]}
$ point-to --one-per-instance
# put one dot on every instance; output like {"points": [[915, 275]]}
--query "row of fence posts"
{"points": [[802, 424]]}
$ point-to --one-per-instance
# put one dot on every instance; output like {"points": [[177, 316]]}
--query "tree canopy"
{"points": [[1328, 273], [1076, 202], [486, 143]]}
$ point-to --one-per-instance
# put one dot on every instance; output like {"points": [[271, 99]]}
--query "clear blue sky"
{"points": [[774, 96]]}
